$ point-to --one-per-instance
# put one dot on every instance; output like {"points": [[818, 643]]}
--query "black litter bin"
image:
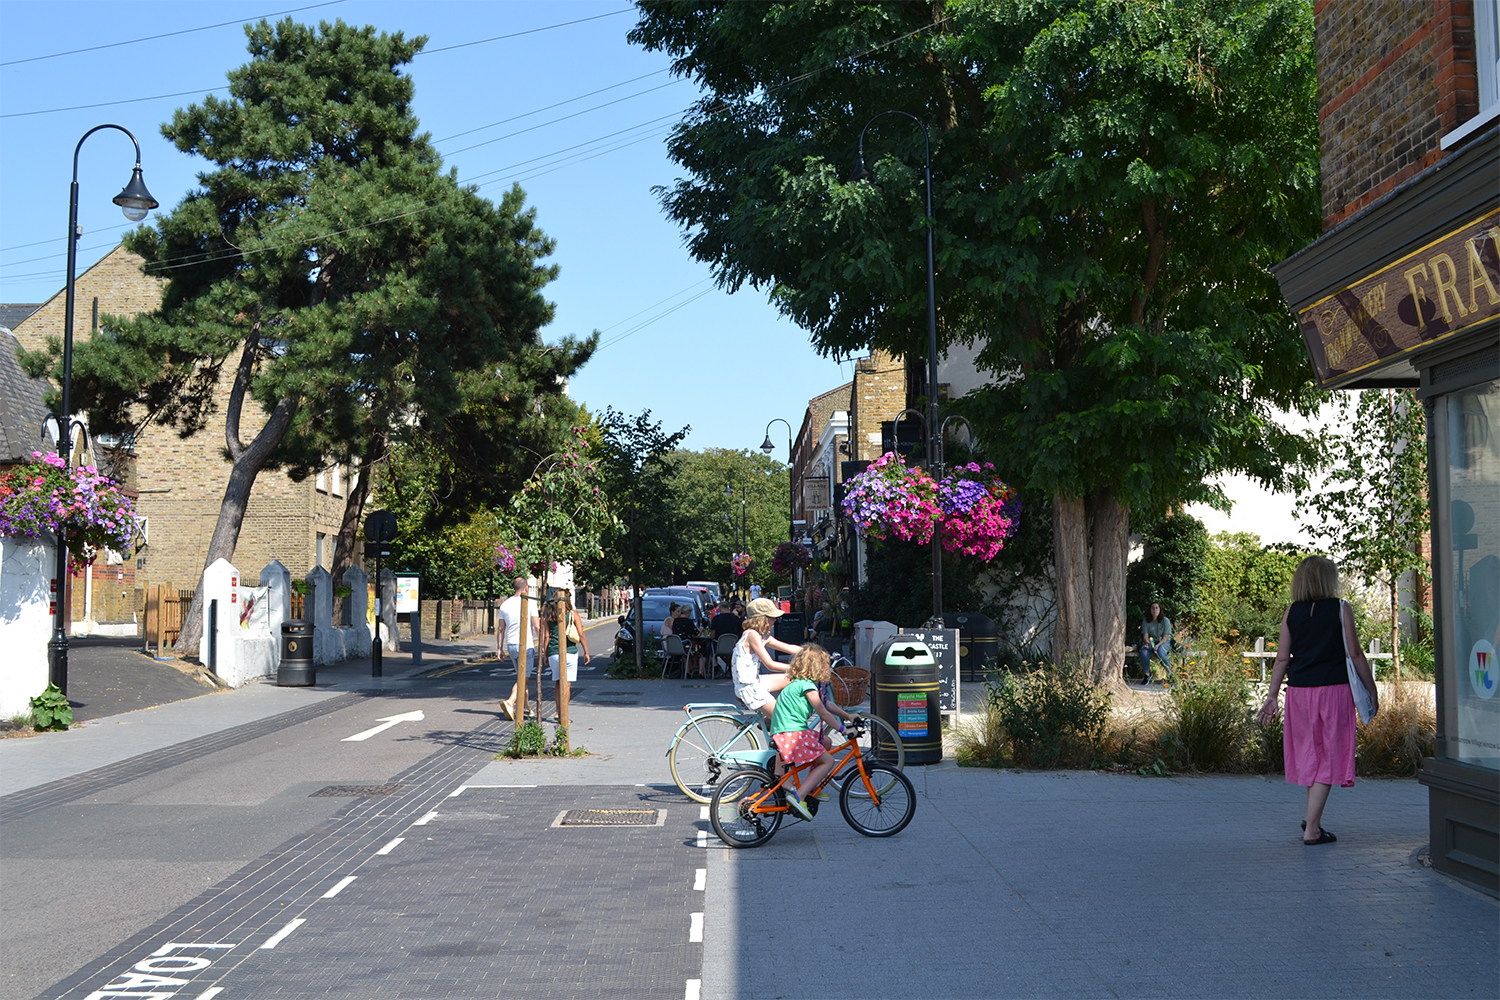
{"points": [[296, 668], [906, 696], [978, 645]]}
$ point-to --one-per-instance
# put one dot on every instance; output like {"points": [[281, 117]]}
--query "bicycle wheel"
{"points": [[888, 812], [695, 755], [732, 811]]}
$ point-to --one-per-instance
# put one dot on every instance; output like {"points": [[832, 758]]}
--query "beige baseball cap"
{"points": [[763, 606]]}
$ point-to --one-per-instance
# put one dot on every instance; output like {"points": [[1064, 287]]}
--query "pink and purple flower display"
{"points": [[976, 511], [45, 495], [741, 563]]}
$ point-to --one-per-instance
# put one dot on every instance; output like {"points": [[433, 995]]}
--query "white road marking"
{"points": [[385, 723], [703, 812], [339, 886], [388, 848], [694, 989], [702, 838], [281, 935], [426, 819], [210, 993], [457, 791], [700, 879], [695, 929]]}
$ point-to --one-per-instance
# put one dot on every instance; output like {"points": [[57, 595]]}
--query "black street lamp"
{"points": [[791, 509], [135, 201], [930, 425]]}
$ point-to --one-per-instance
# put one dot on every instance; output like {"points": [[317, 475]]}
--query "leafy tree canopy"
{"points": [[712, 488]]}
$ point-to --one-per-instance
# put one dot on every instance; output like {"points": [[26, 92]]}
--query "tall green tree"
{"points": [[1111, 181], [713, 490], [1372, 509], [637, 478], [350, 286]]}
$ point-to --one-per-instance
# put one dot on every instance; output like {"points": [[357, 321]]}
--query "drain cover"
{"points": [[611, 817], [355, 791]]}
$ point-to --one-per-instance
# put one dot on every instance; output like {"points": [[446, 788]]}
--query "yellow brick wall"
{"points": [[879, 394], [182, 482]]}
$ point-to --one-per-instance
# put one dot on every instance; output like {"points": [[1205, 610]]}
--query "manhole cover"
{"points": [[614, 701], [611, 817], [355, 791]]}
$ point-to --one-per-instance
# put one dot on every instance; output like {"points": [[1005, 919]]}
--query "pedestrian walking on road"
{"points": [[508, 640], [1318, 735], [564, 639]]}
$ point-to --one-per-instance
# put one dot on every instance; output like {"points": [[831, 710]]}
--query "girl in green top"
{"points": [[794, 704]]}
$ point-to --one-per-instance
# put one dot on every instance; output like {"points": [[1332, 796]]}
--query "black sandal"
{"points": [[1324, 837]]}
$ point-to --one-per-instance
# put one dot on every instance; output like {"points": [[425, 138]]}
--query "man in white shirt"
{"points": [[508, 637]]}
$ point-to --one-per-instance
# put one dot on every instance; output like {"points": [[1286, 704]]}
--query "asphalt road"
{"points": [[108, 675]]}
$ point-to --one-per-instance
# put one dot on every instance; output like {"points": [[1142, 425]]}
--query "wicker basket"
{"points": [[850, 685]]}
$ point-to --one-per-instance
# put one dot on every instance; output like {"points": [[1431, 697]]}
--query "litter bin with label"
{"points": [[296, 668], [906, 696]]}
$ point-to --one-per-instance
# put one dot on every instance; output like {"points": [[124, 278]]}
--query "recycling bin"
{"points": [[906, 696], [978, 643], [296, 668]]}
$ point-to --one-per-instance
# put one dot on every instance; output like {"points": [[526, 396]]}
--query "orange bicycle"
{"points": [[750, 803]]}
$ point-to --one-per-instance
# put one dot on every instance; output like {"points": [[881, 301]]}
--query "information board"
{"points": [[944, 645], [407, 599]]}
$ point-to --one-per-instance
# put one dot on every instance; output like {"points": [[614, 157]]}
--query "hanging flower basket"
{"points": [[979, 511], [45, 495], [741, 563], [890, 499], [505, 559], [789, 556]]}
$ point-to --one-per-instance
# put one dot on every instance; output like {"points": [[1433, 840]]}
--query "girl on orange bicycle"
{"points": [[795, 704]]}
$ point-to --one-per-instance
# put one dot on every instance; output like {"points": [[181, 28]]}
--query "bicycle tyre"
{"points": [[886, 814], [694, 757], [872, 755], [731, 822]]}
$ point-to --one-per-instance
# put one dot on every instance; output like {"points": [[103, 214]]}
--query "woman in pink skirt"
{"points": [[1318, 735]]}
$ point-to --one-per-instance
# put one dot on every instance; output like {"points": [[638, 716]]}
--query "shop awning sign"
{"points": [[1446, 287]]}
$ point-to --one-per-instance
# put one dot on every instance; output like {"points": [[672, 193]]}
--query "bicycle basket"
{"points": [[850, 684]]}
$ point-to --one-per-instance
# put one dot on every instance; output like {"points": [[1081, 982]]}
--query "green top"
{"points": [[792, 707], [552, 633], [1157, 631]]}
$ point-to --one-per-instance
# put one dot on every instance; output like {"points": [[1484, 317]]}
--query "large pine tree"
{"points": [[354, 289]]}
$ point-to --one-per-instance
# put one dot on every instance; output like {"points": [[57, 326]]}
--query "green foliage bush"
{"points": [[1210, 717], [1245, 590], [50, 710], [1052, 717], [624, 670], [527, 741]]}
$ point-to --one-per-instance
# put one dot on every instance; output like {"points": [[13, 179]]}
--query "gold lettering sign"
{"points": [[1448, 286]]}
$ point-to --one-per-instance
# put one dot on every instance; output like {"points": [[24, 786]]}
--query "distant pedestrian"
{"points": [[508, 639], [564, 639], [1156, 639], [1318, 734]]}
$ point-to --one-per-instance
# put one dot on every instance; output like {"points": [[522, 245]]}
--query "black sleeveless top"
{"points": [[1317, 648]]}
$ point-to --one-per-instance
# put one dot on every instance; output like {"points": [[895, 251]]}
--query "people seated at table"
{"points": [[726, 622]]}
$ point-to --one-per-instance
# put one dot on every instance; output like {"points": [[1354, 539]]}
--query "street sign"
{"points": [[943, 642], [377, 549], [407, 599], [380, 526]]}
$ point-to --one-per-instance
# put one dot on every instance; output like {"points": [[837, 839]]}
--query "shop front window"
{"points": [[1468, 422]]}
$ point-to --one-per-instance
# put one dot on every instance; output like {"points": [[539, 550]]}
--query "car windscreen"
{"points": [[654, 610]]}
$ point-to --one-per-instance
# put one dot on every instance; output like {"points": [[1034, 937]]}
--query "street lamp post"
{"points": [[930, 425], [767, 447], [135, 201]]}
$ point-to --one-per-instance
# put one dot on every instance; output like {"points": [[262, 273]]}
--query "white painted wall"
{"points": [[26, 566]]}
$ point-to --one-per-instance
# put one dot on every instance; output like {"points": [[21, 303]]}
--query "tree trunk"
{"points": [[1074, 638], [347, 543], [1395, 633], [232, 511], [1110, 558], [248, 461]]}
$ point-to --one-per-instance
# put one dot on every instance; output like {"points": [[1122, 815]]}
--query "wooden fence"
{"points": [[165, 606]]}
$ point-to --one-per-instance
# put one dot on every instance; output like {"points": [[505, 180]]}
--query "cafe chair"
{"points": [[675, 649], [724, 652]]}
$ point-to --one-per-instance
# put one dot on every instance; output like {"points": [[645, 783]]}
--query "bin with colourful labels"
{"points": [[905, 694]]}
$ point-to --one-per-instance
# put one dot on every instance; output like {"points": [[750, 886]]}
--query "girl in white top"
{"points": [[754, 689]]}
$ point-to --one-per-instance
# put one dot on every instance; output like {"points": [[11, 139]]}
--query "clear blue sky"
{"points": [[675, 343]]}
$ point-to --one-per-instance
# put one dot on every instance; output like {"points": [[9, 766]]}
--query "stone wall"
{"points": [[1394, 76]]}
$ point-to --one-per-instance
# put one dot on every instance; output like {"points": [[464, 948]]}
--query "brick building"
{"points": [[1403, 289], [181, 481]]}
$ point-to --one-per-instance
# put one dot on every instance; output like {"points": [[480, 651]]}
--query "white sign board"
{"points": [[407, 601]]}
